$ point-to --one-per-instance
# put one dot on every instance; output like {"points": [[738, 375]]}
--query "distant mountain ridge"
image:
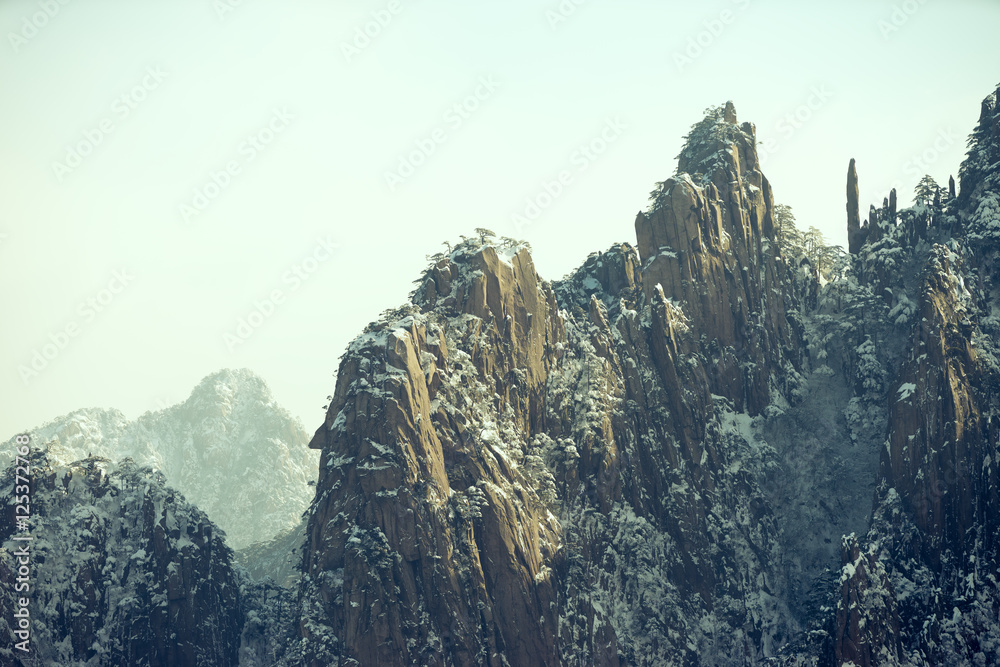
{"points": [[229, 448]]}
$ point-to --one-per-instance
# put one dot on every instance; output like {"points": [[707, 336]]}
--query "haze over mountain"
{"points": [[229, 448]]}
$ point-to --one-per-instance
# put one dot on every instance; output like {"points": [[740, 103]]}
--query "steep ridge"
{"points": [[937, 508], [425, 539], [519, 473], [708, 242]]}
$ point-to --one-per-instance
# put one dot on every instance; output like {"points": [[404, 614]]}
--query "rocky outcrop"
{"points": [[855, 234], [866, 626], [610, 470], [937, 500], [519, 473], [938, 437], [425, 543], [708, 243]]}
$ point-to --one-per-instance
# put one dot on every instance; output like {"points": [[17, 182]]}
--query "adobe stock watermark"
{"points": [[920, 164], [162, 403], [86, 311], [562, 12], [292, 279], [32, 25], [364, 34], [218, 181], [794, 120], [223, 7], [703, 40], [21, 509], [121, 108], [454, 118], [580, 159], [900, 15]]}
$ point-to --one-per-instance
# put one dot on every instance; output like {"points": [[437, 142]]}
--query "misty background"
{"points": [[225, 183]]}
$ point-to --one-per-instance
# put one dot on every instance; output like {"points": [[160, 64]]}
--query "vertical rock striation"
{"points": [[937, 503], [708, 242], [423, 544], [519, 473]]}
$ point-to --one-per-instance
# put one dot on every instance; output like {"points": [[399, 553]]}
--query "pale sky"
{"points": [[172, 168]]}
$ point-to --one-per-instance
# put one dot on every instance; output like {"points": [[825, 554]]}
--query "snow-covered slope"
{"points": [[229, 448], [121, 571]]}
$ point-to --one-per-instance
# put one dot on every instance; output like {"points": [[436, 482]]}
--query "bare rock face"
{"points": [[579, 473], [424, 546], [708, 242], [867, 622], [855, 234], [520, 473]]}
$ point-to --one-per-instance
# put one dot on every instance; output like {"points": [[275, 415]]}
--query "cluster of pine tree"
{"points": [[796, 245]]}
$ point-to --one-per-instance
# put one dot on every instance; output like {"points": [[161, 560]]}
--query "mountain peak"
{"points": [[718, 141], [229, 381], [229, 447]]}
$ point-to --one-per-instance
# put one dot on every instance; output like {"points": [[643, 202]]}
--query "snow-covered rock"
{"points": [[229, 448]]}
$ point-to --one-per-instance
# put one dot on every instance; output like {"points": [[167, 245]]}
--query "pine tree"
{"points": [[790, 240], [796, 244], [923, 194]]}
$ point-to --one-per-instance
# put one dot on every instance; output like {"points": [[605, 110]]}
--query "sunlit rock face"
{"points": [[708, 242], [691, 451], [698, 450], [426, 539], [518, 472]]}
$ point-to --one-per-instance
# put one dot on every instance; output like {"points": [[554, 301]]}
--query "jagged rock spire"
{"points": [[711, 226], [855, 238], [729, 114]]}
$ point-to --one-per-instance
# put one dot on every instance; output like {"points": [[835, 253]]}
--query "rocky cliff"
{"points": [[667, 457], [518, 472], [936, 514], [699, 450]]}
